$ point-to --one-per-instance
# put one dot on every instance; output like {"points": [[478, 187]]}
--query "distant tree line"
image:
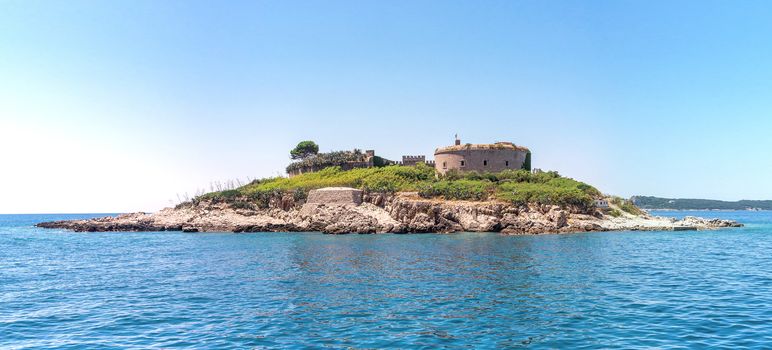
{"points": [[648, 202]]}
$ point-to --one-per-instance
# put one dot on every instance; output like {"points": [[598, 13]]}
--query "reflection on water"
{"points": [[634, 289]]}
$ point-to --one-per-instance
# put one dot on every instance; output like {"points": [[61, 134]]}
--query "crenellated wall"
{"points": [[413, 160]]}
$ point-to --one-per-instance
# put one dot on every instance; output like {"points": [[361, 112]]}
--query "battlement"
{"points": [[413, 157], [427, 162], [413, 160]]}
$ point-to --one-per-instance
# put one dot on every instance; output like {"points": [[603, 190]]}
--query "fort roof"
{"points": [[489, 146]]}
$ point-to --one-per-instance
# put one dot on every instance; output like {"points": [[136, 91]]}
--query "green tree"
{"points": [[305, 149], [527, 162]]}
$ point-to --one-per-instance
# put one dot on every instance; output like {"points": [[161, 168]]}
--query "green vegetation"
{"points": [[330, 159], [516, 186], [547, 188], [615, 213], [527, 162], [698, 204], [304, 149], [457, 189], [380, 161], [385, 179], [626, 206]]}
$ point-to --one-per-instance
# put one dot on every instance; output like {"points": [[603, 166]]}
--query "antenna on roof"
{"points": [[458, 140]]}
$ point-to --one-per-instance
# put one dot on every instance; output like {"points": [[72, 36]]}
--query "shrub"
{"points": [[263, 198], [522, 193], [630, 208], [544, 176], [242, 205], [452, 175], [299, 194], [472, 175], [515, 175], [229, 194], [383, 183], [459, 189], [381, 162], [527, 162], [626, 206], [567, 183], [516, 186]]}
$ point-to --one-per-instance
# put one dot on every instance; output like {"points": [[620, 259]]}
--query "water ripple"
{"points": [[275, 290]]}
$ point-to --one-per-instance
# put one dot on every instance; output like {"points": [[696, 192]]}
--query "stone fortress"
{"points": [[490, 158], [483, 158]]}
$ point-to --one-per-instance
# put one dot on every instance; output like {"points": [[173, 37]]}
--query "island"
{"points": [[658, 203], [467, 187]]}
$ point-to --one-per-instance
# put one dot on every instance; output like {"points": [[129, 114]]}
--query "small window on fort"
{"points": [[507, 163], [485, 162], [463, 163], [444, 165]]}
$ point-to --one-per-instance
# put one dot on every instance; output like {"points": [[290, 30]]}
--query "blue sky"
{"points": [[121, 105]]}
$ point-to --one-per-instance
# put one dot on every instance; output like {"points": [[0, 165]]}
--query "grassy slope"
{"points": [[519, 187]]}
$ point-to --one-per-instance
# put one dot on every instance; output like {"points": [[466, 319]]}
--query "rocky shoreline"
{"points": [[383, 213]]}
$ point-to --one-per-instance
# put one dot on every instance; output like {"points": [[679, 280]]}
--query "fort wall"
{"points": [[488, 159], [482, 158]]}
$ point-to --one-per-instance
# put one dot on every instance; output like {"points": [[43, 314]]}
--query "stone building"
{"points": [[413, 160], [483, 158]]}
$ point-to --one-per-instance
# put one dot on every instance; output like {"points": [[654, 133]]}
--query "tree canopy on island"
{"points": [[304, 149], [328, 159]]}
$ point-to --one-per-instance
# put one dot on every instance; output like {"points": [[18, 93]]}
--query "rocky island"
{"points": [[379, 213], [481, 188]]}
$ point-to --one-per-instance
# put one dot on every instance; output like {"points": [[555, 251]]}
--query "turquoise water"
{"points": [[276, 290]]}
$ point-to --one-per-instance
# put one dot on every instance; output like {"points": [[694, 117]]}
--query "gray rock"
{"points": [[378, 213]]}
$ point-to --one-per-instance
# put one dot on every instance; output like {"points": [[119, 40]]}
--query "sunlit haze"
{"points": [[118, 106]]}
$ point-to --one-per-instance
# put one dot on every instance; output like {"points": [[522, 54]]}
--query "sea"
{"points": [[167, 290]]}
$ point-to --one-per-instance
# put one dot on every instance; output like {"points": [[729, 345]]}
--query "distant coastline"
{"points": [[659, 203], [667, 209]]}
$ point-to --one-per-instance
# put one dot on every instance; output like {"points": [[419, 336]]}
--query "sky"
{"points": [[119, 106]]}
